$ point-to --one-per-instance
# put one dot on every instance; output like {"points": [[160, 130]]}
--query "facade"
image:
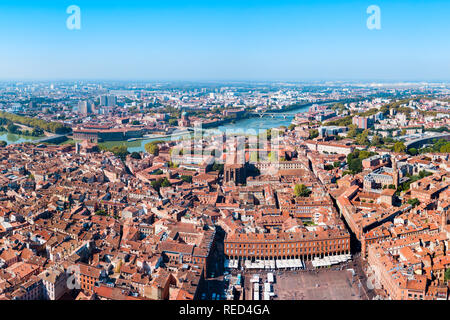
{"points": [[234, 173], [362, 122], [287, 245], [54, 284]]}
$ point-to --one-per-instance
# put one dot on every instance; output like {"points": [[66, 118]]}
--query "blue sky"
{"points": [[225, 40]]}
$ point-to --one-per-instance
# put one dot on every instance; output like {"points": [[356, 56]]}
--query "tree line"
{"points": [[54, 127]]}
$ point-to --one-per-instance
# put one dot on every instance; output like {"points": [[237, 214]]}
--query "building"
{"points": [[85, 107], [185, 122], [88, 276], [108, 100], [234, 173], [298, 245], [54, 283], [362, 122]]}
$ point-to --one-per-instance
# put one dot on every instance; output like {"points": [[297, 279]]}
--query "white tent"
{"points": [[272, 264]]}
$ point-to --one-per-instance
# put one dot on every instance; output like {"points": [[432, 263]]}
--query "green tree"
{"points": [[136, 155], [218, 167], [152, 148], [364, 154], [414, 202], [313, 133], [12, 128], [300, 190], [355, 165], [376, 140], [362, 138], [187, 179], [399, 147], [165, 183], [447, 275], [412, 151], [423, 174], [352, 132], [100, 212], [162, 182], [119, 151]]}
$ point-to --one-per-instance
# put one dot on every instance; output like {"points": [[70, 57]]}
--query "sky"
{"points": [[225, 40]]}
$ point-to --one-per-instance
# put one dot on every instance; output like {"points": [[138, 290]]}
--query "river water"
{"points": [[256, 124], [251, 125], [15, 138]]}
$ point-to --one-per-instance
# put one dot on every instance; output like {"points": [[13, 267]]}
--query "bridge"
{"points": [[52, 139], [275, 114], [427, 139]]}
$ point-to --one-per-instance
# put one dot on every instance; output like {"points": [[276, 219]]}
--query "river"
{"points": [[240, 126], [11, 138]]}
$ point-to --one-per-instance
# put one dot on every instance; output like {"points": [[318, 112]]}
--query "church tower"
{"points": [[395, 173]]}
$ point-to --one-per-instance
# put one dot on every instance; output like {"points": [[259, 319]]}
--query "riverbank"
{"points": [[11, 138], [248, 125]]}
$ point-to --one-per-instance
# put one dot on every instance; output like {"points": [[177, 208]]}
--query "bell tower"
{"points": [[395, 172]]}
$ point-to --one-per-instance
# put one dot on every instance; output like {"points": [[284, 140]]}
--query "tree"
{"points": [[447, 275], [152, 148], [218, 167], [187, 179], [353, 155], [291, 127], [445, 148], [3, 143], [173, 122], [313, 133], [352, 131], [399, 147], [136, 155], [336, 164], [165, 183], [423, 174], [157, 184], [37, 132], [355, 165], [300, 190], [412, 151], [376, 140], [364, 154], [12, 128], [120, 151], [362, 139], [100, 212], [414, 202]]}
